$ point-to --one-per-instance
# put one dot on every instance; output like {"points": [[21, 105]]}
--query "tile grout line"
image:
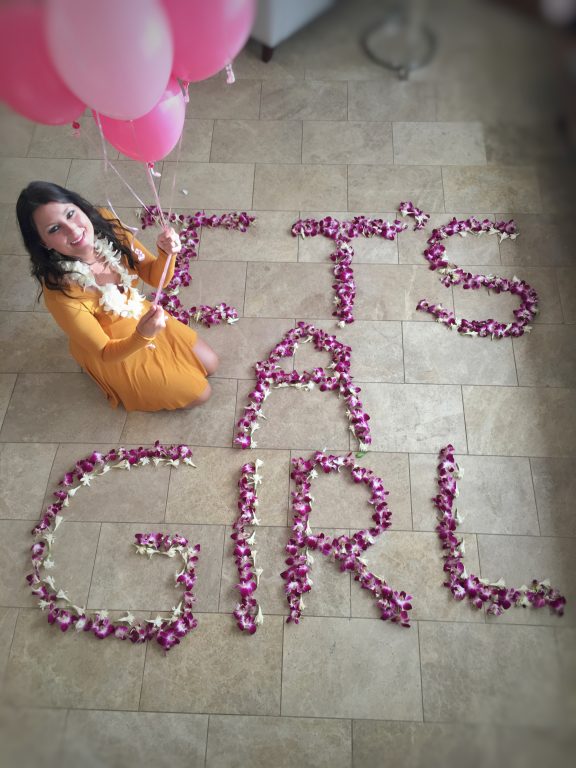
{"points": [[515, 362], [403, 355], [62, 737], [234, 416], [253, 186], [480, 573], [410, 491], [214, 120], [142, 677], [208, 714], [417, 623], [310, 448], [4, 675], [288, 487], [535, 497], [341, 617], [282, 667], [351, 721], [165, 520], [46, 496], [464, 419], [69, 172], [260, 100], [209, 723], [564, 311], [123, 428], [349, 533], [30, 142], [225, 539], [9, 398], [94, 565], [499, 243], [298, 238], [228, 714], [265, 716], [374, 617], [246, 263], [443, 189]]}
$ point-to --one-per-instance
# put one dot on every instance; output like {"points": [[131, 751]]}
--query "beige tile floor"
{"points": [[319, 129]]}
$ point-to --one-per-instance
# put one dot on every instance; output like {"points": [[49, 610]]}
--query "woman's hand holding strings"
{"points": [[152, 322], [169, 241]]}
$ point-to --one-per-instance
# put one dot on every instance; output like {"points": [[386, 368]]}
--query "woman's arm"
{"points": [[150, 268], [80, 325]]}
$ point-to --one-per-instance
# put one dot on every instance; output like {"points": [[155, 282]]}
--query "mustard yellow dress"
{"points": [[140, 373]]}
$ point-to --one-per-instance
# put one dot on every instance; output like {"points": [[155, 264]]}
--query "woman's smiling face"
{"points": [[65, 228]]}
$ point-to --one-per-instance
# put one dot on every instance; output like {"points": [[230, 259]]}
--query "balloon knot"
{"points": [[152, 171]]}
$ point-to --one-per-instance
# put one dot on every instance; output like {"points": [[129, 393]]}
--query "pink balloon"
{"points": [[208, 34], [114, 55], [29, 84], [153, 136]]}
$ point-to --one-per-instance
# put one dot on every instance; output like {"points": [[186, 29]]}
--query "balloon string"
{"points": [[126, 184], [162, 280], [230, 77], [165, 227], [106, 161], [150, 176], [107, 165], [178, 153], [102, 139], [149, 173]]}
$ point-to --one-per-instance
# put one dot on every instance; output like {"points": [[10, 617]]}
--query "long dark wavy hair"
{"points": [[47, 265]]}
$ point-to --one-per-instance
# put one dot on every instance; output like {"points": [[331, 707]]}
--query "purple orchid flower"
{"points": [[189, 239], [453, 275], [269, 375], [100, 625], [467, 586], [346, 550]]}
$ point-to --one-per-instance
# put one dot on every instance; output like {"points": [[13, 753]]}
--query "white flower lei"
{"points": [[127, 304]]}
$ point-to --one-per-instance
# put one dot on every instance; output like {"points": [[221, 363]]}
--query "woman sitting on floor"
{"points": [[87, 264]]}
